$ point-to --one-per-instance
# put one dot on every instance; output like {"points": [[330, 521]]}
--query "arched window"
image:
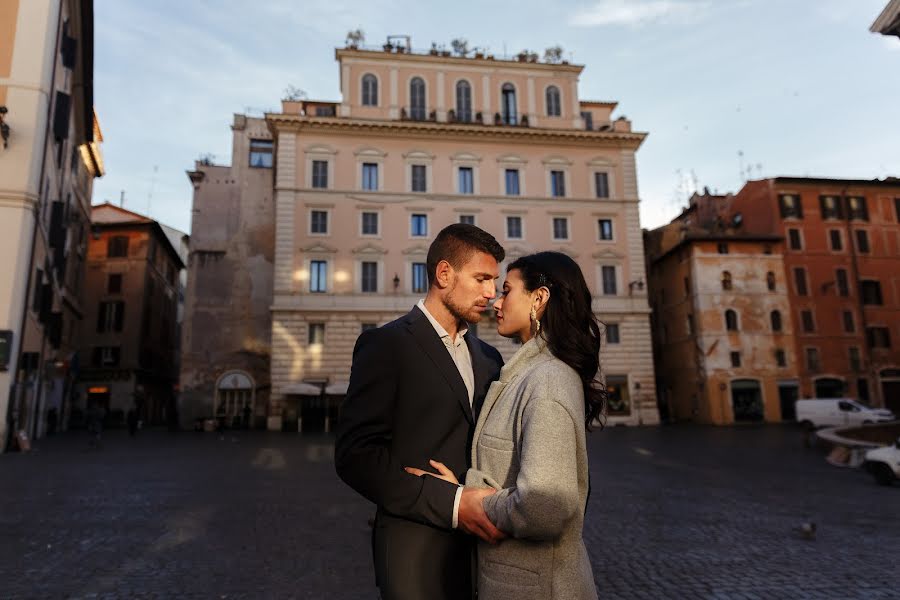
{"points": [[776, 320], [726, 280], [770, 281], [463, 101], [417, 99], [731, 320], [369, 90], [508, 95], [553, 104]]}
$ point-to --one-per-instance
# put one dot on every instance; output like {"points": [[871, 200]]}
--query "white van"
{"points": [[837, 412]]}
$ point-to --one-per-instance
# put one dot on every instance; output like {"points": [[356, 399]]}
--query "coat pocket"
{"points": [[507, 582], [496, 443]]}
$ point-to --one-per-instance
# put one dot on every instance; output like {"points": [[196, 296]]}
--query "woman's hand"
{"points": [[443, 472]]}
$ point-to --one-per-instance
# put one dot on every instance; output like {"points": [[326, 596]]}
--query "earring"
{"points": [[535, 322]]}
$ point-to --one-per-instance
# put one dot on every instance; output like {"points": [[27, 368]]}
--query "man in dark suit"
{"points": [[415, 389]]}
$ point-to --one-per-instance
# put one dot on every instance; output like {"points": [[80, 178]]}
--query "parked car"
{"points": [[837, 412], [884, 463]]}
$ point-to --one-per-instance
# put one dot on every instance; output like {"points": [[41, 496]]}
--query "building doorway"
{"points": [[890, 389], [787, 399], [235, 400], [746, 401], [830, 387]]}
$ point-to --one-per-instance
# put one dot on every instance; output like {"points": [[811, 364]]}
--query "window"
{"points": [[608, 275], [897, 208], [601, 184], [726, 280], [463, 101], [417, 177], [316, 334], [618, 400], [514, 228], [110, 316], [862, 387], [320, 174], [849, 325], [800, 281], [318, 276], [857, 208], [369, 90], [369, 273], [770, 281], [418, 225], [831, 207], [862, 241], [370, 223], [114, 284], [835, 239], [690, 324], [806, 318], [722, 247], [557, 184], [731, 320], [735, 359], [870, 292], [560, 228], [508, 96], [419, 278], [512, 182], [790, 207], [855, 359], [106, 356], [812, 360], [606, 229], [687, 286], [780, 358], [612, 333], [466, 180], [843, 286], [325, 111], [553, 103], [261, 153], [467, 219], [117, 246], [775, 318], [370, 176], [878, 337], [794, 238], [588, 120], [318, 221], [417, 99], [363, 327]]}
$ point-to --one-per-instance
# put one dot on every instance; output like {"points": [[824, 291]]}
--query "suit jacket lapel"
{"points": [[481, 369], [431, 344]]}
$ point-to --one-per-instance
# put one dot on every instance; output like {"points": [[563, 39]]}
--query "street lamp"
{"points": [[637, 283], [4, 127]]}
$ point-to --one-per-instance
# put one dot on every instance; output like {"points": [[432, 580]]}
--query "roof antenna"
{"points": [[122, 199]]}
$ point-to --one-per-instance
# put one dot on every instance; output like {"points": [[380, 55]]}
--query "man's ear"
{"points": [[443, 274]]}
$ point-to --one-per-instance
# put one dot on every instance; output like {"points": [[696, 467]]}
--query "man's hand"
{"points": [[472, 518]]}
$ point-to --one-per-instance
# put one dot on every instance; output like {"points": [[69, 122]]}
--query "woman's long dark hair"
{"points": [[568, 324]]}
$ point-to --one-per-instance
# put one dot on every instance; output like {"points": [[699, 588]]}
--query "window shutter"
{"points": [[69, 51], [101, 327], [120, 315], [61, 116]]}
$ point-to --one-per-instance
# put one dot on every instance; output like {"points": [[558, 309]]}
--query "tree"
{"points": [[355, 37], [460, 46], [294, 93], [553, 54]]}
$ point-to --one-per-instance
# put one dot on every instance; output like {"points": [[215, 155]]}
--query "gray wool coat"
{"points": [[529, 443]]}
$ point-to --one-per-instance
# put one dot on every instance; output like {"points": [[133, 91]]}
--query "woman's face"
{"points": [[513, 308]]}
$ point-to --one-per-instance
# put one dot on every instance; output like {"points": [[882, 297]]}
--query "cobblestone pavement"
{"points": [[676, 512]]}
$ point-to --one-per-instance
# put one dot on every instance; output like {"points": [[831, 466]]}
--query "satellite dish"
{"points": [[737, 220]]}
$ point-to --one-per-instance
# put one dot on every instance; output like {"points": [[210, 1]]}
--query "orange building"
{"points": [[842, 260]]}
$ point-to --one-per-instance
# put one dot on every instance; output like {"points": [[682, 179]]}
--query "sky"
{"points": [[727, 89]]}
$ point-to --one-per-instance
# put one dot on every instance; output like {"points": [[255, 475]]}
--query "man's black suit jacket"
{"points": [[406, 404]]}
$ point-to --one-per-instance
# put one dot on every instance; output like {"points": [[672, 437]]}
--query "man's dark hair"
{"points": [[457, 244]]}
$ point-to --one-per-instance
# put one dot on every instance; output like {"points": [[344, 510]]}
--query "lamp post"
{"points": [[4, 126]]}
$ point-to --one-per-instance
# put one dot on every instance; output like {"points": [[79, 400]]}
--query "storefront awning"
{"points": [[302, 389], [338, 388]]}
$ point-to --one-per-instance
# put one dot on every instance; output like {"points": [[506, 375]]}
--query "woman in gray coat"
{"points": [[528, 450]]}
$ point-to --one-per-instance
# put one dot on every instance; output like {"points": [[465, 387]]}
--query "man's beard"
{"points": [[461, 312]]}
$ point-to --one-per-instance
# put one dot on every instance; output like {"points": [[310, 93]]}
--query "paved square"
{"points": [[676, 512]]}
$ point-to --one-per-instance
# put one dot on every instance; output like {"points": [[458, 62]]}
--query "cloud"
{"points": [[891, 43], [639, 12]]}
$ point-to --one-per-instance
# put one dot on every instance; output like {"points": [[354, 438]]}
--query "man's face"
{"points": [[472, 287]]}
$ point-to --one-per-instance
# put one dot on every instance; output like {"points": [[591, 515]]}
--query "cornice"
{"points": [[280, 122]]}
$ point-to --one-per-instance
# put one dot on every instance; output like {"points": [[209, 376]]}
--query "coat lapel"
{"points": [[431, 344], [481, 369]]}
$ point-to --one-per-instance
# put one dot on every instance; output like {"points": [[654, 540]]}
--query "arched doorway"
{"points": [[235, 400], [746, 401], [890, 389], [830, 387]]}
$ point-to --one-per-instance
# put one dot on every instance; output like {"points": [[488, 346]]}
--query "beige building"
{"points": [[723, 334], [128, 344], [419, 141], [226, 337], [48, 159]]}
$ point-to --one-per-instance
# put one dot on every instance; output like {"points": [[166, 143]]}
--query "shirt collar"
{"points": [[442, 333]]}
